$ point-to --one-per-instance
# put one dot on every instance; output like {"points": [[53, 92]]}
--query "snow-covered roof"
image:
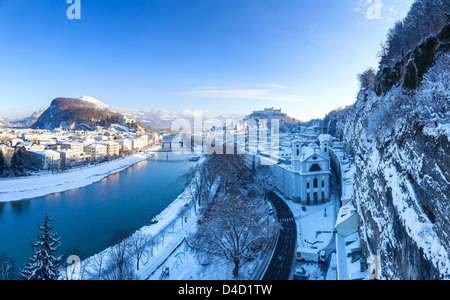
{"points": [[107, 143], [45, 152], [345, 213], [96, 145], [309, 151], [346, 249], [324, 137]]}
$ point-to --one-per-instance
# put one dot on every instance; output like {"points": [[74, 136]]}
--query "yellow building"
{"points": [[8, 153]]}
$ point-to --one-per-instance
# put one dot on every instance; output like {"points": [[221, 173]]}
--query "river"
{"points": [[85, 219]]}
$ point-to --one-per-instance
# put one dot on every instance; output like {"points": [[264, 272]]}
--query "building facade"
{"points": [[76, 147], [96, 151], [306, 179], [70, 158], [45, 160], [112, 148], [140, 142], [125, 144], [311, 173], [8, 153]]}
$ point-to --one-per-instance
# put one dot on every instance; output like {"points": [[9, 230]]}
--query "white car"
{"points": [[301, 274]]}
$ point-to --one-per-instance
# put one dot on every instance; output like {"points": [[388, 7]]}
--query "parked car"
{"points": [[301, 274]]}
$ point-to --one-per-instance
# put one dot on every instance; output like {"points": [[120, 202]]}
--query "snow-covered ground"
{"points": [[46, 183], [170, 249], [184, 265], [315, 226]]}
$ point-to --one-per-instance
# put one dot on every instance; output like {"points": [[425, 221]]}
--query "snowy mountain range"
{"points": [[21, 123], [65, 112], [4, 122], [160, 118]]}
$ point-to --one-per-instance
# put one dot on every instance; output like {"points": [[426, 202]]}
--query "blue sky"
{"points": [[217, 56]]}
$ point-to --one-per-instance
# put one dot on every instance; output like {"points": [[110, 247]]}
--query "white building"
{"points": [[307, 179], [126, 144], [311, 173], [351, 264], [112, 148], [140, 142], [96, 151], [71, 158], [76, 147]]}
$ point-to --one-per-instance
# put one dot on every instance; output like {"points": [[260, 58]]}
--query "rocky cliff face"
{"points": [[399, 134]]}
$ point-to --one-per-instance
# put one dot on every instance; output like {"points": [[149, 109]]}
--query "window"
{"points": [[315, 168], [307, 185], [316, 183], [308, 198], [323, 183]]}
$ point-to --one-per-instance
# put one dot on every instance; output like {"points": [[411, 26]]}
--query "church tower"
{"points": [[296, 167], [296, 155], [325, 144]]}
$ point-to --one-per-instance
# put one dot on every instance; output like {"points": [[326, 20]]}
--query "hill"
{"points": [[75, 113]]}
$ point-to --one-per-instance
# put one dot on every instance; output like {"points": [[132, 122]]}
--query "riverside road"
{"points": [[280, 266]]}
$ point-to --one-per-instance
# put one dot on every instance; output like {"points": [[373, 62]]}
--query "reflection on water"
{"points": [[20, 206], [86, 218]]}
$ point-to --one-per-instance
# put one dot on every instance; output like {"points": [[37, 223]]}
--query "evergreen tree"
{"points": [[17, 165], [43, 264], [2, 164]]}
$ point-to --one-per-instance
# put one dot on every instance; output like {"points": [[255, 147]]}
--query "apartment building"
{"points": [[126, 144], [112, 148], [154, 137], [70, 158], [140, 142], [44, 160], [76, 147], [96, 151]]}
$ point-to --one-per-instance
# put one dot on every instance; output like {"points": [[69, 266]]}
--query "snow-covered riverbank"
{"points": [[167, 248], [41, 185]]}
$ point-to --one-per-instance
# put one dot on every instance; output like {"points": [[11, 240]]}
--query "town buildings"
{"points": [[52, 150]]}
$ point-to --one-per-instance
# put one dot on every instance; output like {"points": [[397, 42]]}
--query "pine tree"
{"points": [[17, 165], [2, 164], [43, 264]]}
